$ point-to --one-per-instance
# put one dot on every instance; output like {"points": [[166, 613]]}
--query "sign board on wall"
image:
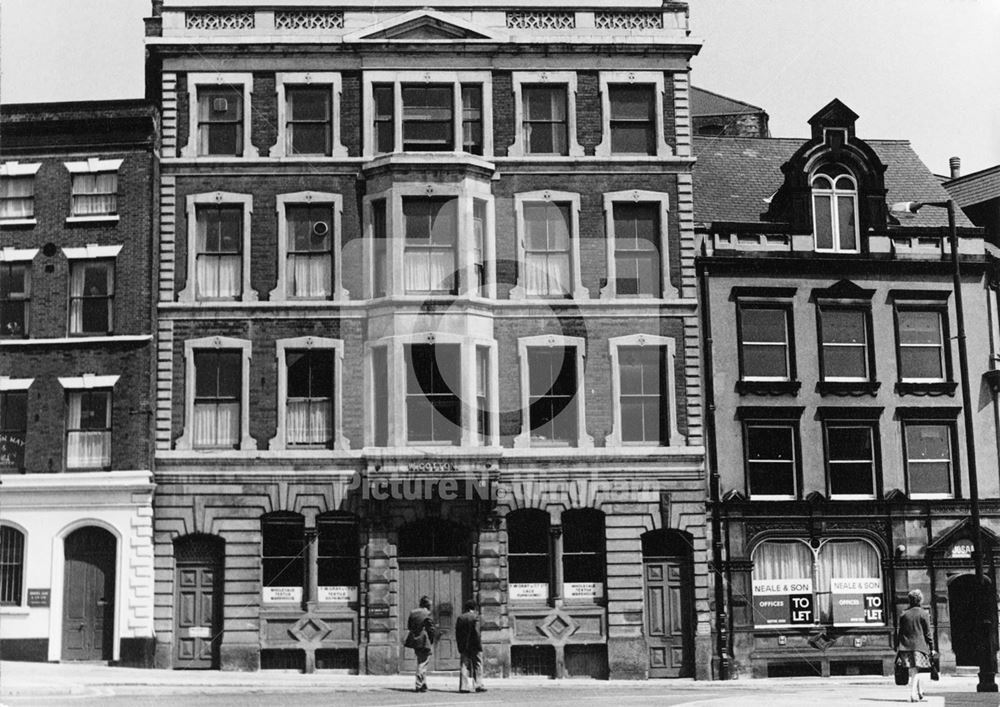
{"points": [[960, 550], [782, 602], [528, 592], [338, 594], [282, 595], [857, 600], [39, 597], [583, 590]]}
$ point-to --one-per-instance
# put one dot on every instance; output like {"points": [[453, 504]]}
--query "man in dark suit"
{"points": [[420, 638], [470, 649]]}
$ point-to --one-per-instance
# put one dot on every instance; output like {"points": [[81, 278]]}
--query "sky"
{"points": [[923, 70]]}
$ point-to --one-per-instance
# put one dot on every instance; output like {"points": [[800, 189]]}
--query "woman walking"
{"points": [[914, 645]]}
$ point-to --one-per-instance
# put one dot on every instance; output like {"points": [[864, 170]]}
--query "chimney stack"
{"points": [[956, 167]]}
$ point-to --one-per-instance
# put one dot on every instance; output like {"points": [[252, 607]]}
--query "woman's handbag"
{"points": [[902, 671], [935, 666]]}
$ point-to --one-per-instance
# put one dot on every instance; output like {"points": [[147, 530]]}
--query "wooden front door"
{"points": [[446, 581], [197, 608], [88, 595], [669, 625]]}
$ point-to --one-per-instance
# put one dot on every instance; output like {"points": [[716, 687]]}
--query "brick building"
{"points": [[75, 408], [715, 115], [427, 325], [838, 439]]}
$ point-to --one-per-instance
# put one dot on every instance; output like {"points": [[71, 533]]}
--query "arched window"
{"points": [[283, 556], [833, 581], [835, 209], [11, 565], [583, 554], [529, 565]]}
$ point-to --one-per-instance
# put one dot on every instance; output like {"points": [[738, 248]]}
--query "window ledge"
{"points": [[929, 389], [105, 218], [74, 340], [8, 222], [851, 388], [768, 387], [16, 610]]}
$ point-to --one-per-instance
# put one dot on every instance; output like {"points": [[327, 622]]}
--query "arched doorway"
{"points": [[198, 583], [668, 600], [964, 608], [434, 562], [88, 594]]}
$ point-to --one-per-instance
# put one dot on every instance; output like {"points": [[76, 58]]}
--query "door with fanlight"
{"points": [[88, 595], [198, 602]]}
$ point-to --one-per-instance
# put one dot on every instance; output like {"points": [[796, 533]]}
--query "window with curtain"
{"points": [[850, 459], [835, 209], [545, 120], [921, 344], [217, 399], [13, 429], [309, 412], [844, 334], [770, 449], [92, 291], [929, 457], [283, 556], [15, 298], [528, 559], [642, 372], [765, 350], [637, 250], [428, 117], [633, 119], [552, 383], [219, 254], [95, 194], [431, 234], [17, 197], [11, 565], [338, 565], [88, 429], [308, 125], [310, 251], [478, 242], [547, 236], [433, 406], [583, 554], [472, 118], [483, 428], [220, 120]]}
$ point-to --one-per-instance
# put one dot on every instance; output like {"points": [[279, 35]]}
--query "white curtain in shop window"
{"points": [[310, 275], [546, 274], [782, 560], [17, 197], [95, 193], [839, 559], [216, 425], [428, 270], [309, 422], [85, 449], [219, 276]]}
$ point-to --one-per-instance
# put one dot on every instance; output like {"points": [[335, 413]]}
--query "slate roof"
{"points": [[975, 188], [735, 176], [708, 103]]}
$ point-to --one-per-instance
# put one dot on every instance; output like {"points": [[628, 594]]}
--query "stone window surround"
{"points": [[653, 78], [577, 290], [194, 80], [92, 165], [614, 438], [397, 78], [395, 362], [313, 78], [19, 169], [191, 346], [216, 198], [282, 346], [578, 343], [519, 147], [8, 384], [310, 198], [638, 196], [466, 191]]}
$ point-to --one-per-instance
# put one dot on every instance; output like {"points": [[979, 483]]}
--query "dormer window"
{"points": [[835, 210]]}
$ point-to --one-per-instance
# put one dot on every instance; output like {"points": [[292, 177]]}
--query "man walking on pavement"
{"points": [[420, 638], [470, 649]]}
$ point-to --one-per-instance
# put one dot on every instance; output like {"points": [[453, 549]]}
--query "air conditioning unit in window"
{"points": [[220, 105], [320, 228]]}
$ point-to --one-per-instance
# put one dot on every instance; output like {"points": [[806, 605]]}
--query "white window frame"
{"points": [[579, 344], [396, 387], [310, 343], [653, 78], [309, 198], [194, 80], [796, 439], [315, 79], [788, 312], [519, 148], [944, 341], [215, 198], [930, 422], [466, 191], [92, 165], [637, 196], [455, 78], [873, 430], [186, 440], [577, 290], [616, 343], [20, 169], [89, 381], [823, 308], [834, 194]]}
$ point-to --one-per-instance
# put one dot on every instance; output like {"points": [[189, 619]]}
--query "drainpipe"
{"points": [[711, 459]]}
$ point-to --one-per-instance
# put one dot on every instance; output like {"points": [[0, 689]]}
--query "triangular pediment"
{"points": [[421, 25]]}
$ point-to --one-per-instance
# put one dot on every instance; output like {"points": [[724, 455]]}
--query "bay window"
{"points": [[433, 404], [431, 233]]}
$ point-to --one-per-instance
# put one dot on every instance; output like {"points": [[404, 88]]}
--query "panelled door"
{"points": [[88, 595], [198, 603], [446, 581], [669, 625]]}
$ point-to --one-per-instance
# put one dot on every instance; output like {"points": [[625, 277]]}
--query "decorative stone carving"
{"points": [[628, 20], [541, 20], [219, 20], [308, 19]]}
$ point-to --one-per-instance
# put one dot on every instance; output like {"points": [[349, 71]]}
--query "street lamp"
{"points": [[985, 611]]}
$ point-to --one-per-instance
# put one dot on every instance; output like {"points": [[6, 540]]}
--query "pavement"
{"points": [[58, 683]]}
